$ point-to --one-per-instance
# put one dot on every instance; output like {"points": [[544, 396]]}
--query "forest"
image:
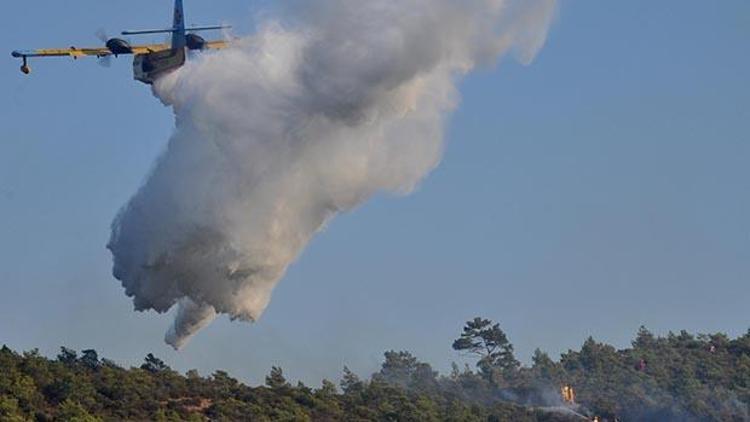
{"points": [[677, 377]]}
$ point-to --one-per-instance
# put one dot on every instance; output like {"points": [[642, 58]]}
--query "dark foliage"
{"points": [[486, 340], [677, 377]]}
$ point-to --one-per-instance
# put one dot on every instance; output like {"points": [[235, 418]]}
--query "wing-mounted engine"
{"points": [[195, 42], [119, 46]]}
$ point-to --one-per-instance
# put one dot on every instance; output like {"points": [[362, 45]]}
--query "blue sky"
{"points": [[603, 187]]}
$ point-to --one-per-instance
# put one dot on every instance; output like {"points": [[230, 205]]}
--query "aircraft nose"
{"points": [[16, 53]]}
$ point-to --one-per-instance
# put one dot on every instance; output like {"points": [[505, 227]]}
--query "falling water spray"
{"points": [[326, 104]]}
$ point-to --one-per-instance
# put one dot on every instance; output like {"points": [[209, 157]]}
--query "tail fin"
{"points": [[178, 26]]}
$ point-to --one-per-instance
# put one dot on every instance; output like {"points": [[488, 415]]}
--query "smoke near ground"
{"points": [[327, 104]]}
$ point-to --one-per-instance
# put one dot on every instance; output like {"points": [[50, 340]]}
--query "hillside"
{"points": [[677, 377]]}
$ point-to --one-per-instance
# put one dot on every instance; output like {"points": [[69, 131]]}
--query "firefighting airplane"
{"points": [[150, 60]]}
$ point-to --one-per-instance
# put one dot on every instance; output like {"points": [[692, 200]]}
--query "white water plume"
{"points": [[324, 106]]}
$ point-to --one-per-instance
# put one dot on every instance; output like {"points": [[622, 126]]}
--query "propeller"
{"points": [[101, 34], [105, 61]]}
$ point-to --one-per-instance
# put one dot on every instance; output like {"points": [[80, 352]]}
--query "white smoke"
{"points": [[328, 104]]}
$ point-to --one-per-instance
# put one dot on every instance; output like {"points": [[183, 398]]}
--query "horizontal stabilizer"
{"points": [[171, 30], [149, 31], [207, 28]]}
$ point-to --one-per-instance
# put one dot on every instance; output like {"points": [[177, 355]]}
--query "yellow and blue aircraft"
{"points": [[150, 60]]}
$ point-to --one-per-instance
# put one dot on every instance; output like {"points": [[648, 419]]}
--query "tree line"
{"points": [[680, 377]]}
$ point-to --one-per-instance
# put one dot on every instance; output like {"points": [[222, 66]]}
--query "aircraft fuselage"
{"points": [[150, 66]]}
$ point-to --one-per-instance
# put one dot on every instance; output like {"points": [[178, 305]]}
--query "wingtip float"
{"points": [[150, 61]]}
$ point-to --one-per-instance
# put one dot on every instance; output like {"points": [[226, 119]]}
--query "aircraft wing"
{"points": [[149, 48], [216, 45], [76, 52]]}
